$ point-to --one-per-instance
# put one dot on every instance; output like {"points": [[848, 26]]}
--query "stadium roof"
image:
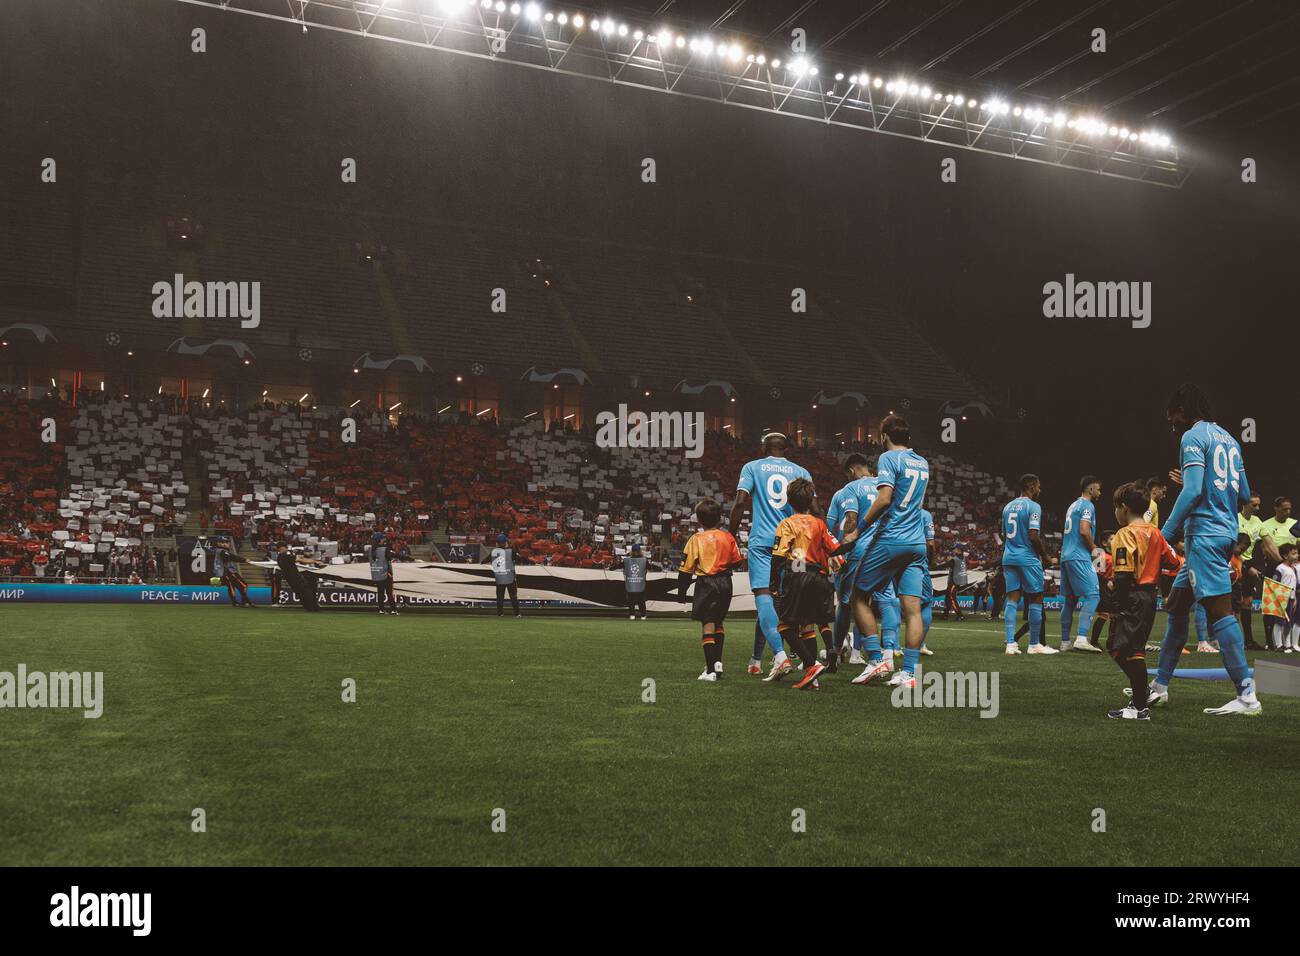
{"points": [[1032, 80]]}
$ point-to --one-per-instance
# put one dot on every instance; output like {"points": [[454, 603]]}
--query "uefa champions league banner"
{"points": [[161, 594], [432, 582]]}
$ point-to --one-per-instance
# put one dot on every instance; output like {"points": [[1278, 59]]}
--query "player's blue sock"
{"points": [[891, 619], [874, 653], [1035, 624], [1009, 620], [1202, 623], [769, 622], [911, 655], [1232, 645], [1067, 618], [841, 626], [927, 618], [1086, 613], [760, 639], [1171, 648]]}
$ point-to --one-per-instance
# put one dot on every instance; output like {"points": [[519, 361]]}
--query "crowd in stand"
{"points": [[272, 473]]}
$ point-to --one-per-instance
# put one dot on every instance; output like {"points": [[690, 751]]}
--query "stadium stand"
{"points": [[133, 473]]}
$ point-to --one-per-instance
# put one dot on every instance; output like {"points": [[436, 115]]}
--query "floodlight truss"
{"points": [[533, 35]]}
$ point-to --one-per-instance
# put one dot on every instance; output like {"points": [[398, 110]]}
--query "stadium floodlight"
{"points": [[718, 70]]}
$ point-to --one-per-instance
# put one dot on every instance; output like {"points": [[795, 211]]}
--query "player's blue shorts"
{"points": [[927, 589], [903, 565], [1079, 579], [1023, 577], [760, 567], [1207, 570], [844, 588]]}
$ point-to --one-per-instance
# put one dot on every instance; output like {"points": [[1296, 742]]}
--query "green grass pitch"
{"points": [[241, 713]]}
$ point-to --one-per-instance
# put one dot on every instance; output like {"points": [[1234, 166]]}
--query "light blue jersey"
{"points": [[1073, 547], [837, 508], [908, 474], [1215, 473], [1020, 517], [927, 522], [766, 480]]}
